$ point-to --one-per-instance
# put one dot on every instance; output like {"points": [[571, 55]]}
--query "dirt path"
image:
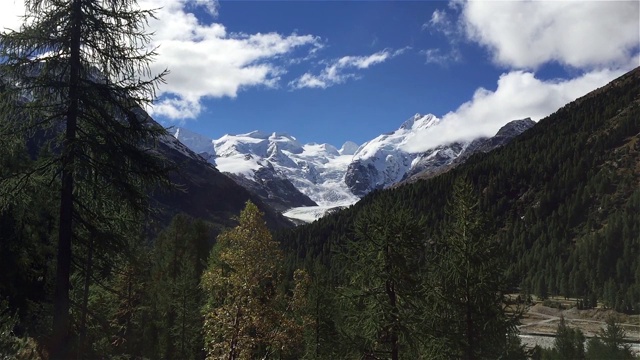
{"points": [[540, 324]]}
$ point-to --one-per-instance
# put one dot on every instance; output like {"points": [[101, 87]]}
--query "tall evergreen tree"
{"points": [[180, 253], [76, 73], [383, 294], [568, 344], [610, 343], [468, 285]]}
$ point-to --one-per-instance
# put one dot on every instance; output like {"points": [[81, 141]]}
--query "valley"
{"points": [[507, 226], [305, 182]]}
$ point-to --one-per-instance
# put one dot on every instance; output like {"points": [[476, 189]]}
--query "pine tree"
{"points": [[75, 74], [609, 343], [321, 333], [568, 344]]}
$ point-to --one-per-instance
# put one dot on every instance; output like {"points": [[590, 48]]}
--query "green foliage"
{"points": [[175, 296], [609, 343], [10, 344], [383, 294], [468, 285], [564, 197], [72, 86], [569, 344]]}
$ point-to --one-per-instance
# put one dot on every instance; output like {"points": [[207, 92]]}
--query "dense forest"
{"points": [[424, 271], [563, 199]]}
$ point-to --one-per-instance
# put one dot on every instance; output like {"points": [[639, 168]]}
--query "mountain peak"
{"points": [[196, 142], [277, 135], [515, 127], [348, 148], [257, 134], [419, 121]]}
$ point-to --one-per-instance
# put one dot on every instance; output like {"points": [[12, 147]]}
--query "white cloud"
{"points": [[205, 61], [437, 56], [177, 108], [581, 34], [10, 16], [211, 6], [341, 70], [441, 22], [600, 38], [519, 95]]}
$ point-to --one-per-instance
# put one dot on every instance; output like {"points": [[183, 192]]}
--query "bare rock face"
{"points": [[275, 191], [360, 178]]}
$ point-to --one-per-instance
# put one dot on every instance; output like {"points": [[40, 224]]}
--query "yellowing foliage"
{"points": [[246, 316]]}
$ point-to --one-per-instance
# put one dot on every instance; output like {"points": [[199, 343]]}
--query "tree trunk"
{"points": [[236, 334], [470, 331], [393, 332], [82, 346], [391, 293], [61, 337]]}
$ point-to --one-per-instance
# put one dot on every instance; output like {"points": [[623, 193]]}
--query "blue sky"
{"points": [[331, 71]]}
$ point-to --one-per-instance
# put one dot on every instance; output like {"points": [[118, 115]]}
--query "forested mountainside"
{"points": [[563, 200]]}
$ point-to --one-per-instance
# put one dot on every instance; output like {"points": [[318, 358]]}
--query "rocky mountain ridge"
{"points": [[306, 181]]}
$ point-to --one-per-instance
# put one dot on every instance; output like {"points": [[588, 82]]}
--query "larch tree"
{"points": [[382, 298], [180, 253], [468, 285], [245, 311], [75, 76]]}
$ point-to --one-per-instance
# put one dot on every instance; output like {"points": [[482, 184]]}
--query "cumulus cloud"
{"points": [[342, 69], [580, 34], [601, 39], [206, 61], [519, 94]]}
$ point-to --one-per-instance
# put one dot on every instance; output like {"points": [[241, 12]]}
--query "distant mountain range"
{"points": [[306, 181]]}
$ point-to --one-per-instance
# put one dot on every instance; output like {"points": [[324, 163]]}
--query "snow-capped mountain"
{"points": [[276, 166], [306, 181], [382, 162]]}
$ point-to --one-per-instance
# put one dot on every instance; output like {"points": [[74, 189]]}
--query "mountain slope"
{"points": [[306, 181], [383, 162], [564, 199], [204, 192], [444, 158]]}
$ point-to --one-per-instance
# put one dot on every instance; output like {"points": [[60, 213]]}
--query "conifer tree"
{"points": [[75, 76], [383, 296], [568, 344], [609, 343], [179, 256], [321, 334], [468, 285], [244, 313]]}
